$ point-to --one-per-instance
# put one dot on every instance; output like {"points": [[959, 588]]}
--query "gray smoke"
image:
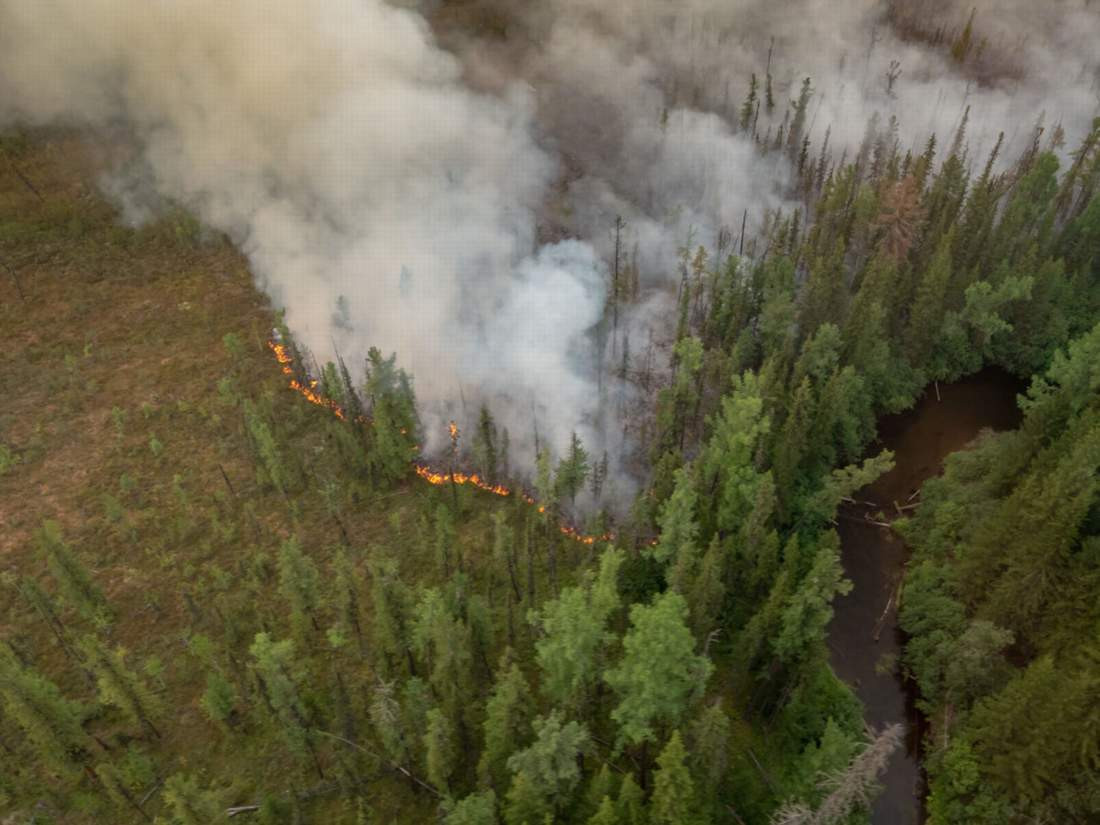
{"points": [[452, 200], [379, 200]]}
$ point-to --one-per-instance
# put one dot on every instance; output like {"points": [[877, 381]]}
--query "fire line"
{"points": [[424, 471]]}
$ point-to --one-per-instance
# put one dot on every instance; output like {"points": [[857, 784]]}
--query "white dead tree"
{"points": [[854, 786]]}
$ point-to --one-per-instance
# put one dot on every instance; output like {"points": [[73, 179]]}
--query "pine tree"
{"points": [[526, 803], [673, 801], [190, 804], [809, 610], [926, 317], [475, 809], [601, 787], [572, 470], [274, 665], [549, 765], [606, 813], [439, 750], [386, 717], [630, 803], [76, 586], [485, 446], [119, 686], [574, 634], [299, 585], [52, 723], [507, 716], [659, 674], [114, 785], [49, 612], [219, 700], [274, 465], [679, 530]]}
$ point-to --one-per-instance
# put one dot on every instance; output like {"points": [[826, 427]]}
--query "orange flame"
{"points": [[309, 393], [423, 470], [473, 479]]}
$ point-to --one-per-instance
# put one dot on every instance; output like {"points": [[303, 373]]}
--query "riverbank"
{"points": [[864, 640]]}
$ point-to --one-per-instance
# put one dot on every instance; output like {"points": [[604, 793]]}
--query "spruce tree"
{"points": [[549, 765], [507, 718], [190, 805], [673, 801], [51, 722], [926, 316], [274, 664], [299, 585], [76, 586], [573, 631], [443, 641], [119, 686], [572, 470], [345, 586], [606, 813], [709, 738], [439, 750], [630, 803], [475, 809], [659, 675], [808, 611], [485, 446], [114, 785], [679, 530]]}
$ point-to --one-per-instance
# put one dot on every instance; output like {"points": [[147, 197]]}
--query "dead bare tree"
{"points": [[854, 786]]}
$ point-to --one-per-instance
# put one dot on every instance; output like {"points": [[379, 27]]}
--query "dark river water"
{"points": [[864, 639]]}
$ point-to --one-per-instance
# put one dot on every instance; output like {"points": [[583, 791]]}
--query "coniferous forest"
{"points": [[249, 578]]}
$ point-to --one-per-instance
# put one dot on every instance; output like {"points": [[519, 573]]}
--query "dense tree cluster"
{"points": [[1002, 608]]}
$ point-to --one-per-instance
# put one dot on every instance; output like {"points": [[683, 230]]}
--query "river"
{"points": [[864, 639]]}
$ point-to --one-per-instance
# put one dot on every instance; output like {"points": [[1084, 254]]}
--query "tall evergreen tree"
{"points": [[574, 635], [51, 722], [673, 801], [120, 686], [299, 585], [659, 674], [507, 717]]}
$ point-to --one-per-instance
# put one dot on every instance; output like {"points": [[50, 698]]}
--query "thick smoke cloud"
{"points": [[379, 200], [641, 98], [400, 179]]}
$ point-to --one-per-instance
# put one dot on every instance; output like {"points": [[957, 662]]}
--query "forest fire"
{"points": [[474, 480], [425, 472], [309, 393]]}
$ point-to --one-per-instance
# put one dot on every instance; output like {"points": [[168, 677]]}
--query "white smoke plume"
{"points": [[379, 200]]}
